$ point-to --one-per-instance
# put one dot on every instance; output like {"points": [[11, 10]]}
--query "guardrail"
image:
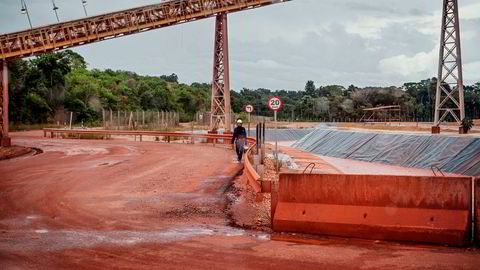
{"points": [[57, 132], [252, 176], [249, 172]]}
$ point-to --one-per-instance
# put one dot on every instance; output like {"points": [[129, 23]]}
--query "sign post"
{"points": [[275, 104], [249, 110]]}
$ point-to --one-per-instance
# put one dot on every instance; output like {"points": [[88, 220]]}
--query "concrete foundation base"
{"points": [[5, 142], [211, 132]]}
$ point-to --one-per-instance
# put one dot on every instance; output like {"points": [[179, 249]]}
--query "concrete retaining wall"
{"points": [[403, 208], [477, 209]]}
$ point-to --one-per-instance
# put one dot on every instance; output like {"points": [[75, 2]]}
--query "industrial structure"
{"points": [[449, 95], [387, 113], [220, 110], [40, 40]]}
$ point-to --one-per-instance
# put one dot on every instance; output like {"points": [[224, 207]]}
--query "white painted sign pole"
{"points": [[248, 126], [249, 110], [276, 141], [275, 104]]}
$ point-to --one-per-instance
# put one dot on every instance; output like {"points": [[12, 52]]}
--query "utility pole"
{"points": [[24, 10], [84, 4], [55, 8], [449, 94]]}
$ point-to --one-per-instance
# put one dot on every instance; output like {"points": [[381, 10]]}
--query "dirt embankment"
{"points": [[15, 151]]}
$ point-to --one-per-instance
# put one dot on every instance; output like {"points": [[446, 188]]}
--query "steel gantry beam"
{"points": [[449, 94], [220, 115], [40, 40], [69, 34]]}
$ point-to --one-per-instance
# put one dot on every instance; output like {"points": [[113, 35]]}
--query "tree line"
{"points": [[337, 103], [41, 86]]}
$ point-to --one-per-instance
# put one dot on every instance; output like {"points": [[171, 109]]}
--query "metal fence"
{"points": [[204, 118], [143, 120]]}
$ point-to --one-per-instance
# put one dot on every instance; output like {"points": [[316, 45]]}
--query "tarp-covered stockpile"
{"points": [[284, 135], [450, 154]]}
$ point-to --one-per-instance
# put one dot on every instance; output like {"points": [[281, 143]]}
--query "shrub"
{"points": [[467, 123]]}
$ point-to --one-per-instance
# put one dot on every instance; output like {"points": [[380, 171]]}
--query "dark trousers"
{"points": [[240, 147]]}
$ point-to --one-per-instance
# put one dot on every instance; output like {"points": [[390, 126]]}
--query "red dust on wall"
{"points": [[401, 208], [477, 209]]}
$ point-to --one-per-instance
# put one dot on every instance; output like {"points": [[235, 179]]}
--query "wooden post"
{"points": [[71, 116], [130, 120], [137, 120], [103, 119], [163, 119], [193, 127]]}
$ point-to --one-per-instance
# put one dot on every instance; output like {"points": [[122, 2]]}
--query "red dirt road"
{"points": [[132, 205]]}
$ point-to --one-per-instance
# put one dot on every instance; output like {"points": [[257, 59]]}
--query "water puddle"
{"points": [[54, 240]]}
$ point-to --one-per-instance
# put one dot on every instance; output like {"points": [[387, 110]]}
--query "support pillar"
{"points": [[5, 141], [221, 115], [449, 95]]}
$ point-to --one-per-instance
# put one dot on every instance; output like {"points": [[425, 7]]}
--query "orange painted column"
{"points": [[5, 141]]}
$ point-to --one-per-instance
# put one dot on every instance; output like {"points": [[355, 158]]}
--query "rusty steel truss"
{"points": [[69, 34], [40, 40], [221, 77], [449, 95], [4, 139]]}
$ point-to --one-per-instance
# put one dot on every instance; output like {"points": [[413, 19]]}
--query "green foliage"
{"points": [[61, 81], [467, 123], [334, 102]]}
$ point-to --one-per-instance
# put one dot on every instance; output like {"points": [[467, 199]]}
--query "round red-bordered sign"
{"points": [[275, 104], [249, 108]]}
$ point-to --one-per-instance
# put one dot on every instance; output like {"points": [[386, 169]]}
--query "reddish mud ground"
{"points": [[13, 152], [132, 205]]}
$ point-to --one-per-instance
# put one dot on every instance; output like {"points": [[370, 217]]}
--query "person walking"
{"points": [[239, 139]]}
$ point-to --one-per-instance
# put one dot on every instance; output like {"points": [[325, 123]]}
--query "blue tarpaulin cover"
{"points": [[449, 153]]}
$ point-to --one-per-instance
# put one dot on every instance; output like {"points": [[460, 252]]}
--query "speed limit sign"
{"points": [[275, 104], [249, 108]]}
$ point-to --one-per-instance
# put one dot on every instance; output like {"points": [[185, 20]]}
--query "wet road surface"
{"points": [[131, 205]]}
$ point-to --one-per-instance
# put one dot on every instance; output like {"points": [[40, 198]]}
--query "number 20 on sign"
{"points": [[275, 104]]}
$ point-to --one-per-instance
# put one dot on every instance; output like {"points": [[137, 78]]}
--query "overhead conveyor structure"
{"points": [[39, 40], [65, 35]]}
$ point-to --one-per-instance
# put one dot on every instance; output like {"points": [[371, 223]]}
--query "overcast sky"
{"points": [[365, 43]]}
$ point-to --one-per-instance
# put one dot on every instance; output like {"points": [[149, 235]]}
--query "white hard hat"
{"points": [[239, 121]]}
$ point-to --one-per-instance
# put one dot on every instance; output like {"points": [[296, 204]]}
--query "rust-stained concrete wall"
{"points": [[404, 208], [477, 209]]}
